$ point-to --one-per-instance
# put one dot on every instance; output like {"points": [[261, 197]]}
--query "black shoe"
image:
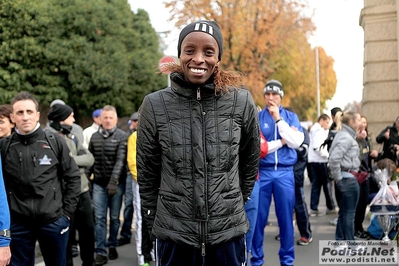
{"points": [[75, 251], [362, 234], [113, 254], [101, 260], [277, 237], [123, 241]]}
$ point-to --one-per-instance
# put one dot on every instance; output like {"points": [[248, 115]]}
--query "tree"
{"points": [[88, 53], [353, 106], [266, 39]]}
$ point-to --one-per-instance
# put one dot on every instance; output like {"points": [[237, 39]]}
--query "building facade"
{"points": [[380, 103]]}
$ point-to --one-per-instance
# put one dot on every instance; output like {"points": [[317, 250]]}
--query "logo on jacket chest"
{"points": [[266, 125], [45, 160]]}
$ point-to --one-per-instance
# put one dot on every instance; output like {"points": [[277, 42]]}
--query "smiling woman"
{"points": [[197, 155]]}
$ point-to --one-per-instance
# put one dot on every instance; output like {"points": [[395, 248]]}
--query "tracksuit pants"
{"points": [[231, 253], [52, 238], [251, 209], [280, 184]]}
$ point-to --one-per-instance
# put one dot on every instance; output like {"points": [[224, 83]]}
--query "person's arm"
{"points": [[5, 253], [84, 158], [131, 154], [249, 148], [338, 149], [86, 138], [89, 170], [119, 164], [302, 151], [70, 176], [120, 159], [318, 138], [382, 136], [293, 137], [149, 159], [274, 145], [264, 147]]}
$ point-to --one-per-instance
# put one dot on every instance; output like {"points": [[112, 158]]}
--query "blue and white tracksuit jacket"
{"points": [[4, 212], [276, 176]]}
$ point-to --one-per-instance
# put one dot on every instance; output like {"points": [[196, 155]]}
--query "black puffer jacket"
{"points": [[109, 153], [197, 158], [388, 144]]}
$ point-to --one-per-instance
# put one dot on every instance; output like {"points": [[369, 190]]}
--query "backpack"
{"points": [[49, 137]]}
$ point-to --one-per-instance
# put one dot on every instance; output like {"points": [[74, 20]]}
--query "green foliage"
{"points": [[88, 53]]}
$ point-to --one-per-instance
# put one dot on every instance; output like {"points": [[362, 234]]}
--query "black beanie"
{"points": [[59, 112], [206, 26]]}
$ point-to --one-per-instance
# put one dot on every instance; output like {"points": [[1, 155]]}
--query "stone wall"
{"points": [[380, 103]]}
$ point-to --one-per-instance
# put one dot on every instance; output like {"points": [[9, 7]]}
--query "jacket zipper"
{"points": [[203, 242], [275, 153], [202, 224]]}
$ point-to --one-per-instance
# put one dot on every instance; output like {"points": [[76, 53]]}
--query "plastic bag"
{"points": [[385, 200]]}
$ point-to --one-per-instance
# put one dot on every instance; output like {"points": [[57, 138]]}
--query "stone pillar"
{"points": [[380, 103]]}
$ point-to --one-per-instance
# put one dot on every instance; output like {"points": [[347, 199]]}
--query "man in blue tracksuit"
{"points": [[284, 134]]}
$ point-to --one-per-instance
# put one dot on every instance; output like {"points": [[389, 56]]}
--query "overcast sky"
{"points": [[338, 32]]}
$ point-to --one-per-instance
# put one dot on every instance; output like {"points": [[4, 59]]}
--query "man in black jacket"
{"points": [[108, 146], [43, 184], [197, 156], [389, 138]]}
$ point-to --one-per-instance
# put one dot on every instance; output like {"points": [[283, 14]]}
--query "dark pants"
{"points": [[301, 213], [348, 190], [230, 253], [83, 222], [126, 232], [52, 238], [319, 173], [361, 206], [301, 209]]}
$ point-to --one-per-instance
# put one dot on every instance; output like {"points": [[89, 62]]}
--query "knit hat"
{"points": [[59, 112], [56, 101], [206, 26], [96, 113], [274, 86]]}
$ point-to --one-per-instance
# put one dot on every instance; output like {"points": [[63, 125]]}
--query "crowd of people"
{"points": [[196, 171]]}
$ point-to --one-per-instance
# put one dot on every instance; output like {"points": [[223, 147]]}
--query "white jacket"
{"points": [[317, 136]]}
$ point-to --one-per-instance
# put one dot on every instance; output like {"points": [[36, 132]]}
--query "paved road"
{"points": [[304, 255]]}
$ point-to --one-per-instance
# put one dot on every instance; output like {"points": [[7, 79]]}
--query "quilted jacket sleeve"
{"points": [[148, 156], [249, 147]]}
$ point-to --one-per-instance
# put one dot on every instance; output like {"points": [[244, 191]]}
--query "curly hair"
{"points": [[223, 79]]}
